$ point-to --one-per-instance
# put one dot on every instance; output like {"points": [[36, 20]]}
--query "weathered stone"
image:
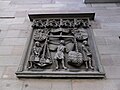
{"points": [[116, 60], [9, 73], [97, 84], [109, 49], [12, 33], [102, 1], [14, 41], [18, 50], [107, 60], [112, 72], [6, 50], [61, 84], [11, 84], [100, 40], [2, 69], [35, 84], [9, 60]]}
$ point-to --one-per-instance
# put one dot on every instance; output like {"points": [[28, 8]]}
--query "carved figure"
{"points": [[44, 61], [49, 31], [87, 55], [60, 55], [36, 50]]}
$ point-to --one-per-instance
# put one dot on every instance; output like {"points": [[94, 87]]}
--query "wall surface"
{"points": [[102, 1], [15, 29]]}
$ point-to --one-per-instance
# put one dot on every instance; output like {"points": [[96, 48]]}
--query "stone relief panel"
{"points": [[60, 47]]}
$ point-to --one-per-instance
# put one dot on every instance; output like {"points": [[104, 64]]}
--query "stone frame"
{"points": [[101, 1], [22, 72]]}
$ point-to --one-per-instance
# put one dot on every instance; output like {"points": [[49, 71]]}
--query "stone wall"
{"points": [[15, 29], [101, 1]]}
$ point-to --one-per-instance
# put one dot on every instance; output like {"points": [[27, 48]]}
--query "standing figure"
{"points": [[36, 50], [87, 55], [59, 56]]}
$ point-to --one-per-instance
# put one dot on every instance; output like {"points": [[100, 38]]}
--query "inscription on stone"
{"points": [[61, 47]]}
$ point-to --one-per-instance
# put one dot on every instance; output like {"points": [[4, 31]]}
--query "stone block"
{"points": [[9, 73], [2, 69], [12, 33], [112, 72], [110, 25], [34, 84], [61, 85], [103, 33], [68, 1], [3, 33], [112, 40], [20, 14], [100, 40], [18, 50], [4, 27], [6, 50], [1, 39], [11, 84], [22, 2], [104, 4], [7, 15], [4, 4], [19, 27], [107, 60], [110, 19], [116, 60], [24, 34], [14, 41], [9, 60], [101, 1], [109, 49], [93, 85]]}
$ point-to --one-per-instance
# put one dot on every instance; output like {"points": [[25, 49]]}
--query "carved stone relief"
{"points": [[59, 46]]}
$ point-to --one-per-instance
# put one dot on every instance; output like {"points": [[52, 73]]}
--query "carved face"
{"points": [[85, 42], [37, 44]]}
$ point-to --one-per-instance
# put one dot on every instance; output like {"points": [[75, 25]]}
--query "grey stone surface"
{"points": [[6, 50], [12, 33], [107, 60], [112, 40], [9, 60], [14, 41], [93, 85], [2, 69], [9, 73], [2, 34], [106, 29], [18, 50], [109, 49], [112, 72], [61, 85], [102, 1], [11, 85], [1, 39], [35, 84], [100, 40], [116, 60], [19, 27]]}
